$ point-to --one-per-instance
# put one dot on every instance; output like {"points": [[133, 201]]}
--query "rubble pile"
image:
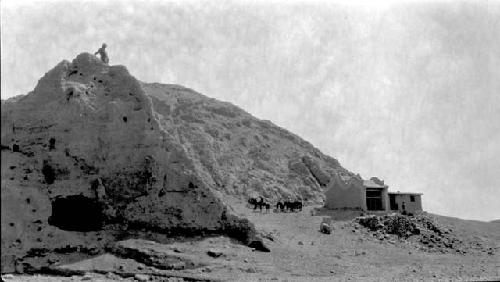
{"points": [[390, 224], [420, 230], [401, 226]]}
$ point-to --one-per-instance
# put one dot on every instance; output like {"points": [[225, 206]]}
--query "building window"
{"points": [[412, 198]]}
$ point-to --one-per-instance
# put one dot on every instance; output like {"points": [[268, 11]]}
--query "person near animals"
{"points": [[102, 52], [261, 203]]}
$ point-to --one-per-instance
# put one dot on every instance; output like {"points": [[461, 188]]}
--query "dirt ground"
{"points": [[299, 252]]}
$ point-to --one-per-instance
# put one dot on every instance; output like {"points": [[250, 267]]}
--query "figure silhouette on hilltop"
{"points": [[102, 52]]}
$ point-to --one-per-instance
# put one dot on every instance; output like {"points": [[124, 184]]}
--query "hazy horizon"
{"points": [[408, 92]]}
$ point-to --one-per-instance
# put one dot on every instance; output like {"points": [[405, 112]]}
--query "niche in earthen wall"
{"points": [[76, 213], [72, 72], [48, 172]]}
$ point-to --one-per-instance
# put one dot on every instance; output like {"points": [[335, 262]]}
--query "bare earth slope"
{"points": [[92, 151], [238, 153]]}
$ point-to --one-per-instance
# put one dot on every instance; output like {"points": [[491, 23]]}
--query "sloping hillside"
{"points": [[238, 153]]}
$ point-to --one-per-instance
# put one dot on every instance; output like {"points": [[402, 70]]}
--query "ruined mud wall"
{"points": [[87, 144], [92, 148]]}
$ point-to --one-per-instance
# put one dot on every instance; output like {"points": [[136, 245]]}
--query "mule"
{"points": [[292, 206]]}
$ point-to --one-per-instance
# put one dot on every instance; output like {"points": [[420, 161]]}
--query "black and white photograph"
{"points": [[250, 140]]}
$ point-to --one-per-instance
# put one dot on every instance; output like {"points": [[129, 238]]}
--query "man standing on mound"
{"points": [[103, 53]]}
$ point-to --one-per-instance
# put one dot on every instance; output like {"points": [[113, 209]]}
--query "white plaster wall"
{"points": [[341, 195], [409, 206]]}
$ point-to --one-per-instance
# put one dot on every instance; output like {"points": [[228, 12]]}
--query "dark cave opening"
{"points": [[52, 143], [48, 172], [76, 213], [69, 95]]}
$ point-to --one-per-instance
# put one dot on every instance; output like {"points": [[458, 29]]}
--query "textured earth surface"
{"points": [[106, 178], [92, 153], [299, 252]]}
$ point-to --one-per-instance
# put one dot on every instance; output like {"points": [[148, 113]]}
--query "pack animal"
{"points": [[293, 206], [260, 203], [280, 206]]}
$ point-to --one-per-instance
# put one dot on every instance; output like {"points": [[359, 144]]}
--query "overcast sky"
{"points": [[407, 92]]}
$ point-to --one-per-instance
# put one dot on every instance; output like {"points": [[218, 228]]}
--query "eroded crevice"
{"points": [[69, 95]]}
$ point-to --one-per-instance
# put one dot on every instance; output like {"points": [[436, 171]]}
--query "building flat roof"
{"points": [[405, 193]]}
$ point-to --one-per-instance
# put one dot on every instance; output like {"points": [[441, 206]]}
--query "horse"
{"points": [[297, 205], [252, 201], [260, 203]]}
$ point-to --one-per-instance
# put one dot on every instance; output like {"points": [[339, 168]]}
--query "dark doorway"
{"points": [[76, 213], [392, 202], [374, 199]]}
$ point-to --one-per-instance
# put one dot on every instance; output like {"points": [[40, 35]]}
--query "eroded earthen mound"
{"points": [[92, 151]]}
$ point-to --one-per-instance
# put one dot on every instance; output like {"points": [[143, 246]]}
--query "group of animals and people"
{"points": [[281, 206]]}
